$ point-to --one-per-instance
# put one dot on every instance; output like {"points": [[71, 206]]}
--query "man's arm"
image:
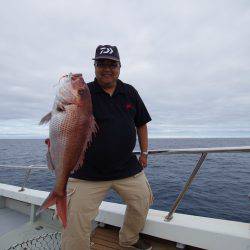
{"points": [[142, 133]]}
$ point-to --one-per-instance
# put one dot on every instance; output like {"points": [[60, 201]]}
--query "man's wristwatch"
{"points": [[144, 153]]}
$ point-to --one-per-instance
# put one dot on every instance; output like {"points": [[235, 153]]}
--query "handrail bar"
{"points": [[199, 150], [162, 151], [26, 167]]}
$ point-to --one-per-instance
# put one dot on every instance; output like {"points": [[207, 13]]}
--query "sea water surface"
{"points": [[220, 190]]}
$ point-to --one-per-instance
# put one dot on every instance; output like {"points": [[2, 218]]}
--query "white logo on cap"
{"points": [[105, 50]]}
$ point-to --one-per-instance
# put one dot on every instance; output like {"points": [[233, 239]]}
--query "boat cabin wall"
{"points": [[18, 206]]}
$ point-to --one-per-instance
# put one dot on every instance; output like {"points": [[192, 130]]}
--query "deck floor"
{"points": [[102, 239], [10, 220], [107, 239]]}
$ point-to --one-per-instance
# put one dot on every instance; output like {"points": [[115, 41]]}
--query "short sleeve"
{"points": [[142, 116]]}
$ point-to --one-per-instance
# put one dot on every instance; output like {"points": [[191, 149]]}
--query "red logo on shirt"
{"points": [[129, 106]]}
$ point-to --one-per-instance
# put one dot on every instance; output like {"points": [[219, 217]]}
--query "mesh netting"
{"points": [[49, 241]]}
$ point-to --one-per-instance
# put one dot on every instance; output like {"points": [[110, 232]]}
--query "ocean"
{"points": [[220, 190]]}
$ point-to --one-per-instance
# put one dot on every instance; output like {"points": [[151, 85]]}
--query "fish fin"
{"points": [[50, 201], [49, 161], [48, 156], [47, 142], [92, 131], [93, 127], [61, 206], [79, 163], [45, 119]]}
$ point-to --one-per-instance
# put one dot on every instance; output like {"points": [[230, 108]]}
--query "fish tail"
{"points": [[61, 206], [45, 119]]}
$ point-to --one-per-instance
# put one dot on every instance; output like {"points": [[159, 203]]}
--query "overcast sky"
{"points": [[189, 60]]}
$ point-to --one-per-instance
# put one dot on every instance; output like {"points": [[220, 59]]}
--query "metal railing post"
{"points": [[27, 174], [187, 185]]}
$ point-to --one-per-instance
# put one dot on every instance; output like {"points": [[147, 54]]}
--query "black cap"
{"points": [[107, 52]]}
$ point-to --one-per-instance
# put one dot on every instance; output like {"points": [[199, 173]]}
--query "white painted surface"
{"points": [[207, 233], [10, 220]]}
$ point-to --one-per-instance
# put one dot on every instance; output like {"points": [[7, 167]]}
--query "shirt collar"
{"points": [[120, 88]]}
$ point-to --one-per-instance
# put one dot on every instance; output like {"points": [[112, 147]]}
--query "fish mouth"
{"points": [[72, 91]]}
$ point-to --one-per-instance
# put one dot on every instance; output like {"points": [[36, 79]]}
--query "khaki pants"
{"points": [[83, 207]]}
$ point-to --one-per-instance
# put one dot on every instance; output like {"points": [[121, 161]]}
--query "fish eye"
{"points": [[81, 91], [60, 109]]}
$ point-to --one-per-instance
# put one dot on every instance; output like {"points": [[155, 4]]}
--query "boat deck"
{"points": [[11, 220], [19, 225], [15, 227], [107, 239]]}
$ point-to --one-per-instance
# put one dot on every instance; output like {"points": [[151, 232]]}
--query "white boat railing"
{"points": [[202, 151]]}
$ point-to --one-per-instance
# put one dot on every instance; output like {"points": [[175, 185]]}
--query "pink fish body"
{"points": [[70, 131]]}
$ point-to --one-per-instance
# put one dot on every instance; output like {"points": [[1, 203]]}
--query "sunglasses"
{"points": [[111, 65]]}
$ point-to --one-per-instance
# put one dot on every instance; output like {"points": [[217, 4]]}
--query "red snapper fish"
{"points": [[71, 126]]}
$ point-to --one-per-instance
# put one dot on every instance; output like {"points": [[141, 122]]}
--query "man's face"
{"points": [[107, 72]]}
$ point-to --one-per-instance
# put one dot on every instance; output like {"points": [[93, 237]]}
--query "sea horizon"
{"points": [[222, 137]]}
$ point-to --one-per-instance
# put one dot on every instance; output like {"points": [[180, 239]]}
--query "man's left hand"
{"points": [[143, 159]]}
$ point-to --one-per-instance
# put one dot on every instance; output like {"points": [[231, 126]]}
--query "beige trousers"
{"points": [[83, 207]]}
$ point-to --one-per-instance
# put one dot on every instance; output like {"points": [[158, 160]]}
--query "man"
{"points": [[109, 161]]}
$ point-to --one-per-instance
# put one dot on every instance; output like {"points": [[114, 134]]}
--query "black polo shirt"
{"points": [[110, 155]]}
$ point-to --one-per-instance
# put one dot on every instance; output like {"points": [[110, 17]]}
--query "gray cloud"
{"points": [[189, 60]]}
